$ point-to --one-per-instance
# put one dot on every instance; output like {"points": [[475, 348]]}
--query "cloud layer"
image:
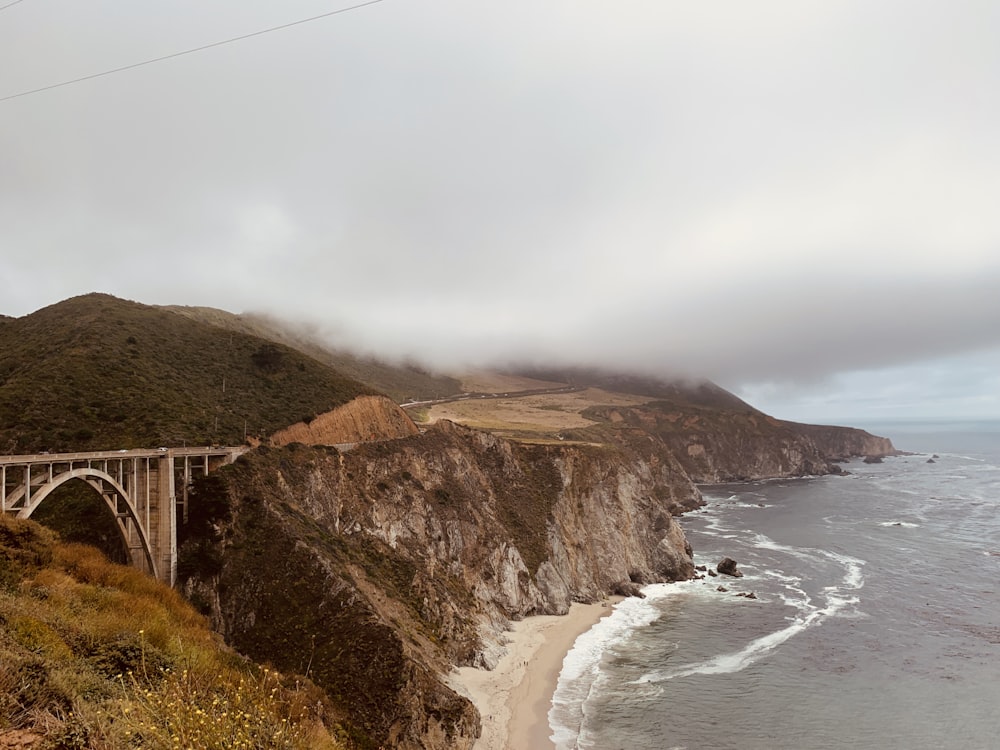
{"points": [[769, 194]]}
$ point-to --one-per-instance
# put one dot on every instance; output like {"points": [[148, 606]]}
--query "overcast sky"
{"points": [[799, 200]]}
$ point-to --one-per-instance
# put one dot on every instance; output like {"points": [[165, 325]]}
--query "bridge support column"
{"points": [[163, 519]]}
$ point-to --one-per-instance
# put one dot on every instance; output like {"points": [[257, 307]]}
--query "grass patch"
{"points": [[97, 655]]}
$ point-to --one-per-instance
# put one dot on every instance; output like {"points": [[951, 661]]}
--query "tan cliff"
{"points": [[364, 419], [376, 570]]}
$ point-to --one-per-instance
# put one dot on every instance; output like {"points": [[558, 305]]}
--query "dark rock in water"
{"points": [[751, 595], [873, 459], [931, 461], [627, 588], [898, 523], [834, 469], [712, 573], [761, 505], [702, 568], [728, 567], [722, 589], [935, 456]]}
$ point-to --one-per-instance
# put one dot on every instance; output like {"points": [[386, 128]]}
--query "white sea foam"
{"points": [[737, 660], [904, 524], [581, 676], [581, 666], [853, 576], [835, 601], [964, 458], [759, 647], [781, 576]]}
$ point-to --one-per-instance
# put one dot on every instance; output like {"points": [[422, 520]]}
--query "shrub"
{"points": [[24, 547], [189, 710]]}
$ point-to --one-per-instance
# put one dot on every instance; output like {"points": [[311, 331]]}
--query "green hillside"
{"points": [[401, 382], [97, 372]]}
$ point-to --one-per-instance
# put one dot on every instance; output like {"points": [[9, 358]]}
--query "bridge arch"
{"points": [[115, 497], [139, 485]]}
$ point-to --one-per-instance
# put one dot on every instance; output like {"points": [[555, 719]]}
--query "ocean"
{"points": [[876, 622]]}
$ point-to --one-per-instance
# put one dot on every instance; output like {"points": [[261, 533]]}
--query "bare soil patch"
{"points": [[534, 418]]}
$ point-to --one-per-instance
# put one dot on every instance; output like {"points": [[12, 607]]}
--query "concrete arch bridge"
{"points": [[139, 486]]}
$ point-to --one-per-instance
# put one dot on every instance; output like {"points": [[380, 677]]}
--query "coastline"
{"points": [[514, 698]]}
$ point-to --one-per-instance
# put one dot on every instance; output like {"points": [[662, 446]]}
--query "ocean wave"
{"points": [[904, 524], [770, 568], [756, 649], [735, 661], [964, 458], [581, 666], [836, 599]]}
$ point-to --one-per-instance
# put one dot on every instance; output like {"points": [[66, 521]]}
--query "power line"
{"points": [[187, 51], [4, 7]]}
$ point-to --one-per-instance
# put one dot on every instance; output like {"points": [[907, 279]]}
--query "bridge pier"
{"points": [[139, 487]]}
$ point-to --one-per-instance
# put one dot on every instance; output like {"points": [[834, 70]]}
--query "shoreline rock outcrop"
{"points": [[727, 566]]}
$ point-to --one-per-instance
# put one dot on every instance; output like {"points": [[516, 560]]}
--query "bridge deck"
{"points": [[45, 458]]}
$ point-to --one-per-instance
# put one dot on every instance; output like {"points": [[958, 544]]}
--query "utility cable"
{"points": [[4, 7], [187, 51]]}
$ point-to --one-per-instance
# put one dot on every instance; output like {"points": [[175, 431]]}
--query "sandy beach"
{"points": [[514, 698]]}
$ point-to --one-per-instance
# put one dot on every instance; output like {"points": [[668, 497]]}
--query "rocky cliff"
{"points": [[375, 570], [842, 443], [722, 445]]}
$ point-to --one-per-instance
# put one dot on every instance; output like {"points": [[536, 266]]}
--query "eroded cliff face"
{"points": [[375, 570], [363, 419]]}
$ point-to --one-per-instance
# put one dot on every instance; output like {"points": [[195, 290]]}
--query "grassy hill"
{"points": [[97, 372], [98, 655], [401, 382]]}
